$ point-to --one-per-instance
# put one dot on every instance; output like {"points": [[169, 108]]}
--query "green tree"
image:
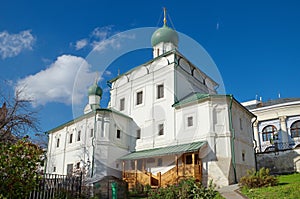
{"points": [[18, 168], [19, 158]]}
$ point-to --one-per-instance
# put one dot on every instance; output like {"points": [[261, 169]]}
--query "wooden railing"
{"points": [[172, 176], [169, 177], [133, 177]]}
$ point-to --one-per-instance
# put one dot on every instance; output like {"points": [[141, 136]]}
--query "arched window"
{"points": [[295, 129], [268, 133]]}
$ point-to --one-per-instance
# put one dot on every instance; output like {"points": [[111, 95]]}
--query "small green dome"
{"points": [[95, 90], [164, 34]]}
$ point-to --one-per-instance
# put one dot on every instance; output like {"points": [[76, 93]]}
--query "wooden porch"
{"points": [[190, 167]]}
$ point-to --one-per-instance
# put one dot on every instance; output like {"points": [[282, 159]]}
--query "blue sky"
{"points": [[255, 45]]}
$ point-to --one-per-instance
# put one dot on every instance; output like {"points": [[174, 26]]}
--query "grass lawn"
{"points": [[288, 188], [218, 196]]}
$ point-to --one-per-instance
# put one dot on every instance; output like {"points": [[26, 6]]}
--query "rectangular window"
{"points": [[71, 138], [188, 159], [190, 121], [122, 104], [92, 133], [160, 129], [241, 124], [268, 136], [138, 134], [78, 135], [118, 133], [196, 158], [139, 97], [69, 169], [160, 91], [159, 162], [57, 142]]}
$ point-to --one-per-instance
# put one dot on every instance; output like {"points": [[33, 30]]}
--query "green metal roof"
{"points": [[201, 96], [191, 98], [164, 34], [95, 90], [163, 151], [95, 111]]}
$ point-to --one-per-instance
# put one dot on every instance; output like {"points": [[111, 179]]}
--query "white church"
{"points": [[165, 122]]}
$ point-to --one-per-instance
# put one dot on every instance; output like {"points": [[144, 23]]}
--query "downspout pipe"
{"points": [[232, 139], [255, 141]]}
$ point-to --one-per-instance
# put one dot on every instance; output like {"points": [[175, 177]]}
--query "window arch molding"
{"points": [[269, 132], [295, 129]]}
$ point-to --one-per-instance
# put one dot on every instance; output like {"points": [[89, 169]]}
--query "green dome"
{"points": [[164, 34], [95, 90]]}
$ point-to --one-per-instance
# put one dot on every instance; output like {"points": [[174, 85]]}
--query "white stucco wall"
{"points": [[210, 123], [213, 125], [281, 116], [102, 154], [152, 112]]}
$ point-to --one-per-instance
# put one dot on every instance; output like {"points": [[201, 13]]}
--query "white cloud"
{"points": [[102, 38], [102, 32], [97, 35], [113, 42], [55, 84], [12, 44], [81, 44], [104, 44], [108, 73]]}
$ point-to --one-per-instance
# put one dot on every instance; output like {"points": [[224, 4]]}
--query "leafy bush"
{"points": [[261, 178], [140, 190], [185, 189], [18, 167]]}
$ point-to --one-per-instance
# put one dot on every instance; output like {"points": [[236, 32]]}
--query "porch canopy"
{"points": [[164, 151]]}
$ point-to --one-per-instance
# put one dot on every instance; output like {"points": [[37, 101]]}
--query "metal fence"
{"points": [[277, 146], [57, 186]]}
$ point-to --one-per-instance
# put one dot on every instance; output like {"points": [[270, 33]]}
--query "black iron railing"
{"points": [[275, 146], [57, 186]]}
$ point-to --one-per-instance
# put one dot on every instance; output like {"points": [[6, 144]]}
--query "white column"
{"points": [[256, 135], [283, 128]]}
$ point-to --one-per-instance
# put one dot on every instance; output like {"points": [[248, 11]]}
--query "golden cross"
{"points": [[165, 16]]}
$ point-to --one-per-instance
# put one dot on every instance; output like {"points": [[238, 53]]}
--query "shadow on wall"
{"points": [[280, 162], [206, 155]]}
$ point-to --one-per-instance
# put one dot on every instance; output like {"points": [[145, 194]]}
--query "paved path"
{"points": [[230, 192]]}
